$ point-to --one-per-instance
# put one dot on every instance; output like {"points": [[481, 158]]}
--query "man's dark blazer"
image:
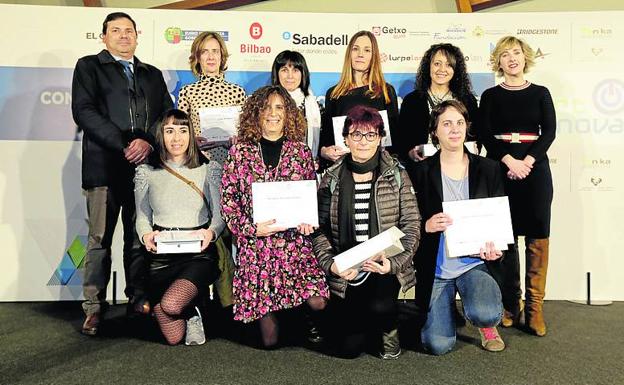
{"points": [[111, 115]]}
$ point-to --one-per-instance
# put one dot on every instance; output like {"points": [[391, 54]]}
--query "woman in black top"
{"points": [[361, 83], [517, 127], [441, 76]]}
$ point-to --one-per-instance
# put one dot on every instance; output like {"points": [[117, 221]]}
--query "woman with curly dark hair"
{"points": [[442, 75], [276, 267]]}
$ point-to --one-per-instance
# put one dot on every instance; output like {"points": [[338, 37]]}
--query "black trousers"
{"points": [[357, 321]]}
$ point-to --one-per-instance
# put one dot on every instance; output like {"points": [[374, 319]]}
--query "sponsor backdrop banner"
{"points": [[43, 220]]}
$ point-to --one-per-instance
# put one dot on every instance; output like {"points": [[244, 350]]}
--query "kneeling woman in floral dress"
{"points": [[276, 267]]}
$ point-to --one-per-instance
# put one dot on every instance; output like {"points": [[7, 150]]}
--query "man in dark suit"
{"points": [[116, 99]]}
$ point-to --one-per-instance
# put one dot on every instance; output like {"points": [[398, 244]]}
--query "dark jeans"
{"points": [[366, 311], [104, 205], [481, 299]]}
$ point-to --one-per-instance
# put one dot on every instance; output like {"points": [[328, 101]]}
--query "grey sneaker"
{"points": [[195, 330], [391, 350]]}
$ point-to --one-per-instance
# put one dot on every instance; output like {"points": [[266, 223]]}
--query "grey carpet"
{"points": [[40, 343]]}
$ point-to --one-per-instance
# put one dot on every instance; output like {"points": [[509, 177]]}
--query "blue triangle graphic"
{"points": [[66, 263], [77, 278], [65, 275]]}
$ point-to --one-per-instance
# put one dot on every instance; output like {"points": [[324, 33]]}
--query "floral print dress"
{"points": [[275, 272]]}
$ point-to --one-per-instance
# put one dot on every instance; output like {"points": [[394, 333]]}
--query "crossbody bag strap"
{"points": [[190, 183]]}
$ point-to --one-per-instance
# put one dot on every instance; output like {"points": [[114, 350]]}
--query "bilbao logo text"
{"points": [[255, 32]]}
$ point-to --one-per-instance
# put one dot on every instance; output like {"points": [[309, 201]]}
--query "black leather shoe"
{"points": [[91, 324], [138, 305]]}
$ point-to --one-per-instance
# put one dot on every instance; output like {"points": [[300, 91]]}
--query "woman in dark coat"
{"points": [[453, 174]]}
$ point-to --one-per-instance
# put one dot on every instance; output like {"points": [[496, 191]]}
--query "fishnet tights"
{"points": [[169, 311]]}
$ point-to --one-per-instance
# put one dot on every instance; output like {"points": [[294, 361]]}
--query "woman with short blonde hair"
{"points": [[518, 126]]}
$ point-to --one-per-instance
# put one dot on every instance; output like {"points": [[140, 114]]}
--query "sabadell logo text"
{"points": [[310, 39]]}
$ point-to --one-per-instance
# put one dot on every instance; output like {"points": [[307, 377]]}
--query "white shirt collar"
{"points": [[131, 60]]}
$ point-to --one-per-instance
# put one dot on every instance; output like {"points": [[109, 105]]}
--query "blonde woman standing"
{"points": [[518, 125]]}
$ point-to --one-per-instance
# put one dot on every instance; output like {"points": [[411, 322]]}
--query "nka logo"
{"points": [[255, 31]]}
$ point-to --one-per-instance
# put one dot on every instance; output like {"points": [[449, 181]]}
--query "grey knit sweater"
{"points": [[167, 201]]}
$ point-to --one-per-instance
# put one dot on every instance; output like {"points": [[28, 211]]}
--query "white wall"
{"points": [[42, 207]]}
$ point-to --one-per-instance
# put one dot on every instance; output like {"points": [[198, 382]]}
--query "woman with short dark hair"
{"points": [[453, 174], [291, 72], [363, 194], [178, 192]]}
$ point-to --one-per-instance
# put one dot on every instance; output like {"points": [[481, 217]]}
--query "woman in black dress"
{"points": [[442, 75], [361, 83], [517, 127]]}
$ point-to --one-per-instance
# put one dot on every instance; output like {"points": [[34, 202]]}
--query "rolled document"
{"points": [[388, 241]]}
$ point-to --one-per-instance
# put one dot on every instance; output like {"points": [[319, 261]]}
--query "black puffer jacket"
{"points": [[396, 206]]}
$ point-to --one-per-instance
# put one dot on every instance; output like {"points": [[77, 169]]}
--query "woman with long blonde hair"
{"points": [[361, 83]]}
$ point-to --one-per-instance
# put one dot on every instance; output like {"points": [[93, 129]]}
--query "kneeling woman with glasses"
{"points": [[178, 192], [363, 194]]}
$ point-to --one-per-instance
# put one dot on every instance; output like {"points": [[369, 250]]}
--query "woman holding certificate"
{"points": [[291, 72], [365, 193], [454, 174], [276, 269], [175, 194], [518, 125], [212, 96], [208, 62], [361, 83], [442, 75]]}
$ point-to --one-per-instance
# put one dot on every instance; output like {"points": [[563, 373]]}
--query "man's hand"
{"points": [[137, 151]]}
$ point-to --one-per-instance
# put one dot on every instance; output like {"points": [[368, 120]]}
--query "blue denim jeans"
{"points": [[481, 298]]}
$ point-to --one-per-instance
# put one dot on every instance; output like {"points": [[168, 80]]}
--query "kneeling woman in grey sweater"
{"points": [[178, 192]]}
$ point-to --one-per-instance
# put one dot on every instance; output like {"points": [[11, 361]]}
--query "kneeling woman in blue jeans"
{"points": [[454, 174]]}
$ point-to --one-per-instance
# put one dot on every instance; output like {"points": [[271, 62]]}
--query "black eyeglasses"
{"points": [[356, 136]]}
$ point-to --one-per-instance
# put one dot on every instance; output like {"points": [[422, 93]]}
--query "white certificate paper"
{"points": [[218, 124], [388, 241], [289, 203], [475, 222], [338, 123], [429, 149]]}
